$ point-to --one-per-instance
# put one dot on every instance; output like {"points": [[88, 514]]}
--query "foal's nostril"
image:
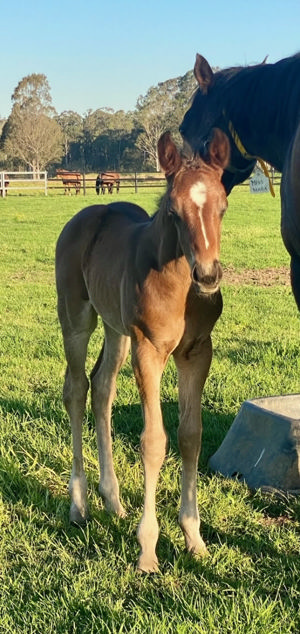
{"points": [[195, 275], [210, 279]]}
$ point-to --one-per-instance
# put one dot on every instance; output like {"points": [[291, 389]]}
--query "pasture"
{"points": [[59, 579]]}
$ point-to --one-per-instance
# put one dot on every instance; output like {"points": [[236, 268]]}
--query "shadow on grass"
{"points": [[33, 502]]}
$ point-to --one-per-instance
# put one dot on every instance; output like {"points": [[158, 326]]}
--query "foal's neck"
{"points": [[160, 238]]}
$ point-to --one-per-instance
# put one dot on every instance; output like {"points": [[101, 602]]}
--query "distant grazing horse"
{"points": [[109, 180], [70, 179], [155, 283], [259, 109]]}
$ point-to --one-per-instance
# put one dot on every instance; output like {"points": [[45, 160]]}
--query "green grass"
{"points": [[58, 579]]}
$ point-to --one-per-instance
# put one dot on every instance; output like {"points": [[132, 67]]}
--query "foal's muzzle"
{"points": [[207, 278]]}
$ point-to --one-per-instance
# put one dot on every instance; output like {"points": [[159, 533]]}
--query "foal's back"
{"points": [[92, 253], [111, 225], [87, 225]]}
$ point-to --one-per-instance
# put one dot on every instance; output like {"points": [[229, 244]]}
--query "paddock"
{"points": [[52, 574]]}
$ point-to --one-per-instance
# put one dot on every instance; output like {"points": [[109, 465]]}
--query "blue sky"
{"points": [[107, 53]]}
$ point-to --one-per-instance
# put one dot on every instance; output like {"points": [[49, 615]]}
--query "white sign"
{"points": [[259, 183]]}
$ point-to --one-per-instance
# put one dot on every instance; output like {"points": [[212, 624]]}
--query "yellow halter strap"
{"points": [[245, 154]]}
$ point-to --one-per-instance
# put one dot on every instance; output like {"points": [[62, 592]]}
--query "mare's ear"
{"points": [[169, 157], [219, 149], [203, 73]]}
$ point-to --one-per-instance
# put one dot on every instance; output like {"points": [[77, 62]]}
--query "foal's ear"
{"points": [[169, 157], [203, 73], [219, 149]]}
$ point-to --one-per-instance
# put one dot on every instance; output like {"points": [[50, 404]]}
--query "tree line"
{"points": [[35, 137]]}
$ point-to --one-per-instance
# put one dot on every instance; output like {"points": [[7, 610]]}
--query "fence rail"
{"points": [[31, 180], [26, 182]]}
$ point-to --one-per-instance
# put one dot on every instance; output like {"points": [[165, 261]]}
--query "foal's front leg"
{"points": [[148, 366], [192, 372]]}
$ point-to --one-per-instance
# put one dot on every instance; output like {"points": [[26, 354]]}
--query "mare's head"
{"points": [[196, 204], [209, 110]]}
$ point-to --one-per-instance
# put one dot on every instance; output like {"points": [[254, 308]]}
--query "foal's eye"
{"points": [[222, 212], [172, 213]]}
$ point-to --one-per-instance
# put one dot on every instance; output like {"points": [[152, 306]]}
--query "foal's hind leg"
{"points": [[192, 372], [76, 336], [103, 384]]}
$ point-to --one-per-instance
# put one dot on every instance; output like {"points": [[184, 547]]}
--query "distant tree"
{"points": [[31, 134], [71, 124], [107, 137], [116, 137], [2, 153], [2, 122], [162, 109], [33, 94]]}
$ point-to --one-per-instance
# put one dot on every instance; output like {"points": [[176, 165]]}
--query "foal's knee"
{"points": [[189, 441], [75, 390], [154, 447]]}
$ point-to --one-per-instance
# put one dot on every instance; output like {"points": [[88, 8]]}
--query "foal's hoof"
{"points": [[116, 509], [79, 517], [198, 549], [112, 502], [147, 564]]}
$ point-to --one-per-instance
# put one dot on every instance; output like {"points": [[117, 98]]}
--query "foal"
{"points": [[155, 283]]}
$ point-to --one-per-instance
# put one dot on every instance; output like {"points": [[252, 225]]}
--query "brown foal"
{"points": [[155, 283]]}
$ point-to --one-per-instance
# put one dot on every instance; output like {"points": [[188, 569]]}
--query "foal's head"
{"points": [[196, 203]]}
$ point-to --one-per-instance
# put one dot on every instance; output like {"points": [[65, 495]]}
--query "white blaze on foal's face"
{"points": [[198, 196]]}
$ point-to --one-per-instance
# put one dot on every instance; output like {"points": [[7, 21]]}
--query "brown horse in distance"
{"points": [[107, 180], [258, 107], [69, 179], [155, 283]]}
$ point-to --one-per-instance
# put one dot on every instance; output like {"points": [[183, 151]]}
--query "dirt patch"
{"points": [[260, 277]]}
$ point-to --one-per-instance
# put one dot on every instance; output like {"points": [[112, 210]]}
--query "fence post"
{"points": [[84, 188], [46, 176], [135, 182], [2, 184]]}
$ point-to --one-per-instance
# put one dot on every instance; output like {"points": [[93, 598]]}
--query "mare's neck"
{"points": [[264, 107]]}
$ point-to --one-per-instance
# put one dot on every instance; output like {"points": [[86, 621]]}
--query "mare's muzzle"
{"points": [[207, 278]]}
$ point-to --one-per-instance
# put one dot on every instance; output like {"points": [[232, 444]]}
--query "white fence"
{"points": [[22, 180]]}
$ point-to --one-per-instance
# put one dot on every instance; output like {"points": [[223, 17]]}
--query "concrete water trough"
{"points": [[262, 447]]}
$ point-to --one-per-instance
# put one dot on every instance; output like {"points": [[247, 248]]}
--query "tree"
{"points": [[33, 94], [162, 109], [71, 124], [31, 134]]}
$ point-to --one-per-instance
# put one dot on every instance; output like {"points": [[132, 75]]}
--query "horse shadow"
{"points": [[35, 502]]}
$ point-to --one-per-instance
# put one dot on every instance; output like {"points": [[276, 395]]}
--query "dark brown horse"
{"points": [[155, 283], [69, 179], [259, 109], [107, 180]]}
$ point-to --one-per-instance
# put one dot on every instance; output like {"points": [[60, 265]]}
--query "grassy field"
{"points": [[55, 578]]}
